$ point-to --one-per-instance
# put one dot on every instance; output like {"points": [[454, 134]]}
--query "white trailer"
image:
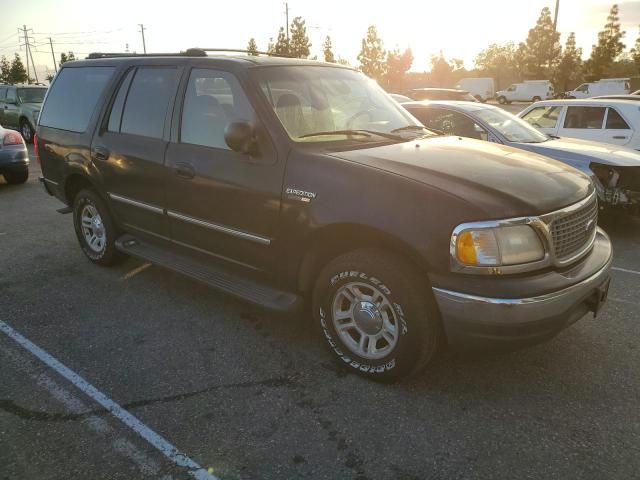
{"points": [[483, 88]]}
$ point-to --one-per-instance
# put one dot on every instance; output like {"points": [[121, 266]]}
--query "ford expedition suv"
{"points": [[294, 184]]}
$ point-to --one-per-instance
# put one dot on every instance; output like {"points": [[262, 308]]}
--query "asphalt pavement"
{"points": [[244, 394]]}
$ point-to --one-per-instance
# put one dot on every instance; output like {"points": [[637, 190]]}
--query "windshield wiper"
{"points": [[416, 128], [364, 133]]}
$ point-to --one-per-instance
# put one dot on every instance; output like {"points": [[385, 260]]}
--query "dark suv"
{"points": [[294, 184]]}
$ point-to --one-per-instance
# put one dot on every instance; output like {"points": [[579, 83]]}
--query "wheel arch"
{"points": [[332, 241], [74, 182]]}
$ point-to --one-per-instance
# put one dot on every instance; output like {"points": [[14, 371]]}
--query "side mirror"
{"points": [[240, 137]]}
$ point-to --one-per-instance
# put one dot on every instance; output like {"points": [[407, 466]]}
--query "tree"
{"points": [[5, 70], [442, 70], [502, 62], [568, 70], [252, 47], [608, 48], [17, 72], [327, 49], [635, 54], [398, 64], [282, 46], [372, 55], [542, 48], [299, 44], [49, 77], [66, 57]]}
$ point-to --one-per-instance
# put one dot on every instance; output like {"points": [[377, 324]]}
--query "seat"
{"points": [[289, 111], [205, 123]]}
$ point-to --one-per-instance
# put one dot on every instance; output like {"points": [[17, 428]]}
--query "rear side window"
{"points": [[3, 93], [11, 95], [149, 97], [73, 97], [543, 117], [615, 121], [584, 117]]}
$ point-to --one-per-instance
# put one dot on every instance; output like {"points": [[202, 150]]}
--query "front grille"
{"points": [[575, 231]]}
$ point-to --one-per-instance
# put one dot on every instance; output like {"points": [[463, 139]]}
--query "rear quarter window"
{"points": [[73, 97], [615, 121]]}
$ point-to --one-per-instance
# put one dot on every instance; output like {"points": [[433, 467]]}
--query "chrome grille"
{"points": [[575, 231]]}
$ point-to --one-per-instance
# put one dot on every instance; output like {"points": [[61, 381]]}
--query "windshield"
{"points": [[511, 127], [31, 95], [319, 104]]}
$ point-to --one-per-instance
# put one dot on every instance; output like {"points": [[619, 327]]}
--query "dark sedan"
{"points": [[615, 170], [14, 158]]}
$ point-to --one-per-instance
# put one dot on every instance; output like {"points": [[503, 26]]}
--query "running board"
{"points": [[216, 277]]}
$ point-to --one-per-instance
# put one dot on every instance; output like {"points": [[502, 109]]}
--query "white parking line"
{"points": [[625, 270], [135, 271], [166, 448]]}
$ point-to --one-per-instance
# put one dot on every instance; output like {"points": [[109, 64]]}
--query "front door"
{"points": [[129, 148], [219, 201]]}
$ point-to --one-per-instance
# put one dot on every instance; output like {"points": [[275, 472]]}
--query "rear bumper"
{"points": [[477, 321], [13, 159]]}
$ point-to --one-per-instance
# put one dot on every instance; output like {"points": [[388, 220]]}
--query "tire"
{"points": [[26, 130], [385, 301], [502, 100], [16, 178], [536, 99], [89, 209]]}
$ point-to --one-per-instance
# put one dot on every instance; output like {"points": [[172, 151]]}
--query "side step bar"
{"points": [[216, 277]]}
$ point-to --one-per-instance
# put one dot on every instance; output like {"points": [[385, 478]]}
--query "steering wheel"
{"points": [[352, 118]]}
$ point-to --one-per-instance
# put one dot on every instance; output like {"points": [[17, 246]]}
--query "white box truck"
{"points": [[604, 86], [483, 88], [527, 91]]}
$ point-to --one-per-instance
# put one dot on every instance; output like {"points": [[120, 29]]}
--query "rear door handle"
{"points": [[184, 170], [619, 137], [100, 153]]}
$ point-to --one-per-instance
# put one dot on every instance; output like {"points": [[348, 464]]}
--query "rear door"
{"points": [[11, 109], [129, 148], [585, 122], [617, 129], [219, 201]]}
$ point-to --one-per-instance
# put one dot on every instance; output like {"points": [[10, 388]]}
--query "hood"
{"points": [[502, 181], [573, 149]]}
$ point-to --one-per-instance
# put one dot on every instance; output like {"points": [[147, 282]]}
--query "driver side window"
{"points": [[451, 123], [543, 117]]}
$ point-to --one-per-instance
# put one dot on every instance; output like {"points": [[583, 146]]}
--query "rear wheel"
{"points": [[15, 178], [502, 100], [26, 130], [376, 314], [95, 228]]}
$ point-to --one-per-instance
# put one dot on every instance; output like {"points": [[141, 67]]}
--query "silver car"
{"points": [[614, 170]]}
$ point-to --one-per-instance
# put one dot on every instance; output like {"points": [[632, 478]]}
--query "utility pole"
{"points": [[286, 11], [53, 55], [33, 64], [26, 51], [555, 18], [144, 46]]}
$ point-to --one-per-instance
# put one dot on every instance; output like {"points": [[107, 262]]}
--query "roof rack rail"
{"points": [[236, 50], [190, 52]]}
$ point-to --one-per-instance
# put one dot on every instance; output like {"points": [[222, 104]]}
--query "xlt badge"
{"points": [[302, 195]]}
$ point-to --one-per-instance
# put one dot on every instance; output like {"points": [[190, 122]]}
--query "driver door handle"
{"points": [[184, 170], [619, 137]]}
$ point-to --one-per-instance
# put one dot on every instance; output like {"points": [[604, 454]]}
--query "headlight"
{"points": [[497, 246], [35, 115]]}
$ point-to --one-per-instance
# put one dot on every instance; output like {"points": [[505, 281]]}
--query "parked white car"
{"points": [[483, 88], [600, 120], [605, 86], [527, 91]]}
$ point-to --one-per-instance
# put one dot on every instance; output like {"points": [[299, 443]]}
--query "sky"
{"points": [[460, 29]]}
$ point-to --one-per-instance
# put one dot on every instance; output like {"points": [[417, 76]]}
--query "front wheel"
{"points": [[502, 100], [95, 228], [376, 314]]}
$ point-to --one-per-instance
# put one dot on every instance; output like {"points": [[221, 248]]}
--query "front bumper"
{"points": [[477, 321]]}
